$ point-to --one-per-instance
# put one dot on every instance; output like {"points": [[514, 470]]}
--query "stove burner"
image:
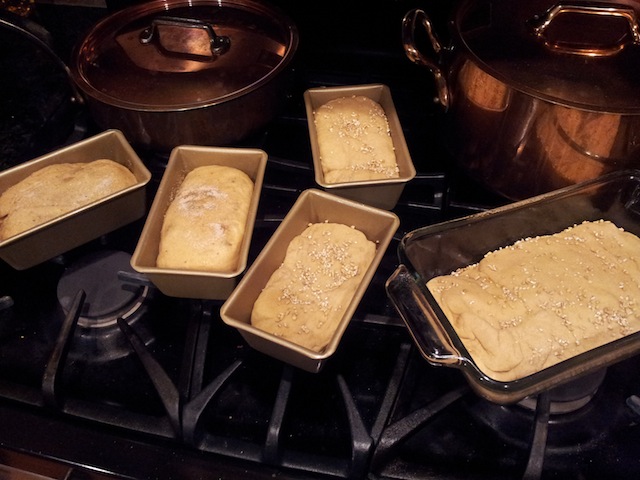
{"points": [[98, 337], [570, 411], [570, 396], [107, 297]]}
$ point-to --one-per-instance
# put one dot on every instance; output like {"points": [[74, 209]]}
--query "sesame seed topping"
{"points": [[354, 139], [544, 299], [312, 288]]}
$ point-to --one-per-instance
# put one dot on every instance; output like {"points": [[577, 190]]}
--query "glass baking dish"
{"points": [[440, 249]]}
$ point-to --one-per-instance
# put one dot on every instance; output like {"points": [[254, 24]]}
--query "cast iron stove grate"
{"points": [[189, 399]]}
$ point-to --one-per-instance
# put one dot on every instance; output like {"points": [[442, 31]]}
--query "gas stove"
{"points": [[102, 376]]}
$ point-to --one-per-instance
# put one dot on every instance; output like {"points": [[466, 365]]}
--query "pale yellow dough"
{"points": [[543, 300], [205, 223], [306, 297], [58, 189], [354, 140]]}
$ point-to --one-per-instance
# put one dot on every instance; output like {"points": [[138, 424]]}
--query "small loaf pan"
{"points": [[442, 248], [312, 206], [84, 224], [192, 283], [378, 193]]}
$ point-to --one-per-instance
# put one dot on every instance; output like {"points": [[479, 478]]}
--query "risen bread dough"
{"points": [[545, 299], [306, 297], [58, 189], [354, 140], [205, 223]]}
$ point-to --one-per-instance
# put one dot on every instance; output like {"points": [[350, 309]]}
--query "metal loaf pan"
{"points": [[193, 283], [382, 193], [84, 224], [312, 206], [440, 249]]}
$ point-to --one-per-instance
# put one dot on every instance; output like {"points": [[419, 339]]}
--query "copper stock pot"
{"points": [[536, 96]]}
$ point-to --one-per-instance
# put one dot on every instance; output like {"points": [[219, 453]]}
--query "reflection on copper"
{"points": [[578, 144], [483, 89]]}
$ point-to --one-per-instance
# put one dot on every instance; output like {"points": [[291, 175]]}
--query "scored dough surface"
{"points": [[58, 189], [545, 299], [205, 223], [306, 297]]}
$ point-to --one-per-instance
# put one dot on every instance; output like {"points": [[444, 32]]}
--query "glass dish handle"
{"points": [[408, 297]]}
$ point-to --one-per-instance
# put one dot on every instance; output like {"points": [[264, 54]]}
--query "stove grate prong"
{"points": [[161, 381], [55, 365], [361, 441], [539, 440], [272, 442], [194, 409], [396, 433]]}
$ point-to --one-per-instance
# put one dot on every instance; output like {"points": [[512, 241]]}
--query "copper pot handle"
{"points": [[410, 23], [543, 22]]}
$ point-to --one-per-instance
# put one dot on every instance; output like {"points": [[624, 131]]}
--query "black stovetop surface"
{"points": [[180, 395]]}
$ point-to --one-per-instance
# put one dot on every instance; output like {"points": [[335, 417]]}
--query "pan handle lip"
{"points": [[431, 338], [411, 21]]}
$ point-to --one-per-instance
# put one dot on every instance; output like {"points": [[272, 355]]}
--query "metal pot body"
{"points": [[522, 136], [222, 124], [170, 73]]}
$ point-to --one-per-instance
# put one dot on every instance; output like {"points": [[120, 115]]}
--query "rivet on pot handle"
{"points": [[410, 22], [217, 44], [543, 22], [409, 300]]}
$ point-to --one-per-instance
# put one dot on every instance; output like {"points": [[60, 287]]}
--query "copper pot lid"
{"points": [[574, 53], [178, 55]]}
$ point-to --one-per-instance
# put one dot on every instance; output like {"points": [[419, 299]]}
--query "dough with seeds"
{"points": [[354, 140], [545, 299], [307, 296]]}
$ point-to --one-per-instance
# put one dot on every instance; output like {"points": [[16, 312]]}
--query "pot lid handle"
{"points": [[541, 25], [177, 40]]}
